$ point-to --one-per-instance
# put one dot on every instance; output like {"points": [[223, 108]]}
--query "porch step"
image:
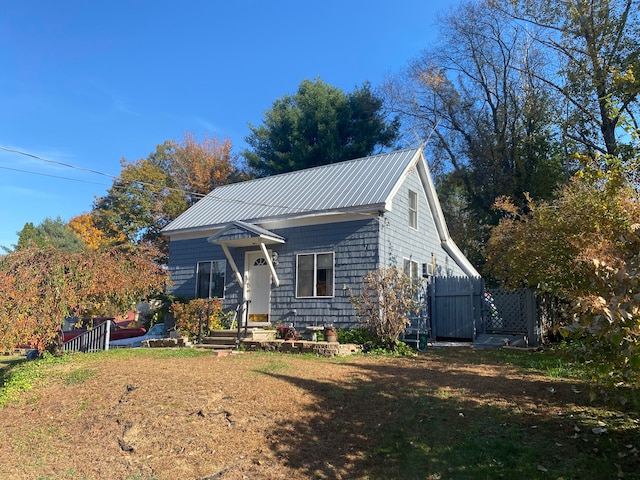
{"points": [[219, 340], [209, 346]]}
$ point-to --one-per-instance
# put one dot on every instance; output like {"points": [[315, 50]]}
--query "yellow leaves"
{"points": [[85, 227], [202, 166]]}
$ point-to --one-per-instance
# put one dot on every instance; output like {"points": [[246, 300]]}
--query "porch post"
{"points": [[234, 267], [276, 280]]}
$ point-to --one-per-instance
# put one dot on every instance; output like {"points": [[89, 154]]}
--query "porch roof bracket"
{"points": [[276, 280], [234, 267]]}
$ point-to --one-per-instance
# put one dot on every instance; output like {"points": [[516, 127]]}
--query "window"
{"points": [[410, 267], [413, 209], [210, 279], [315, 275]]}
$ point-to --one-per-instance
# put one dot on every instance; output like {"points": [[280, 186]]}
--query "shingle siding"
{"points": [[355, 248], [400, 241]]}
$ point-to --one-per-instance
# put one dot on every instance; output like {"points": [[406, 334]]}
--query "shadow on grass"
{"points": [[434, 417], [6, 363]]}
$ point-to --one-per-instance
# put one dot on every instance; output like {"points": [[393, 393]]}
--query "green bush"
{"points": [[359, 336]]}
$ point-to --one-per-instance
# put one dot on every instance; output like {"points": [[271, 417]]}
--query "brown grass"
{"points": [[255, 415]]}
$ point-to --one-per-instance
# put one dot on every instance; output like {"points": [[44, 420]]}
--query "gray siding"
{"points": [[355, 248], [399, 241]]}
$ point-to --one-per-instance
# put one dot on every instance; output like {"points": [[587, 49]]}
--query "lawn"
{"points": [[451, 413]]}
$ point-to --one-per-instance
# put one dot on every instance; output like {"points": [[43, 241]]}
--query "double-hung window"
{"points": [[410, 268], [315, 275], [210, 279], [413, 209]]}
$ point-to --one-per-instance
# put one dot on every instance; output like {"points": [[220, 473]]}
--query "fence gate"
{"points": [[455, 307]]}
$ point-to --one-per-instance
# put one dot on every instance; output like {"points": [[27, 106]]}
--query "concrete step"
{"points": [[219, 341], [209, 346]]}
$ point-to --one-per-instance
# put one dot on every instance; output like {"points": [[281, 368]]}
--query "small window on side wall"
{"points": [[413, 209], [314, 275], [411, 268], [210, 279]]}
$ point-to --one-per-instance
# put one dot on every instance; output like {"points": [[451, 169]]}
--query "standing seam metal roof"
{"points": [[339, 186]]}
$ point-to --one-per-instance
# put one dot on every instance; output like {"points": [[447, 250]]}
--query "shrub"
{"points": [[387, 298], [359, 336], [198, 317]]}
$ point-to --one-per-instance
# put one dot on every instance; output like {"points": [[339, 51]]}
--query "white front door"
{"points": [[257, 287]]}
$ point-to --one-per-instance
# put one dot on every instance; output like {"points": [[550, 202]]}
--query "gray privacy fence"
{"points": [[462, 308]]}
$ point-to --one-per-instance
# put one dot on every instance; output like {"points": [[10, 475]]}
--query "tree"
{"points": [[318, 125], [54, 233], [84, 226], [153, 191], [134, 209], [486, 119], [43, 286], [384, 304], [584, 247], [595, 49]]}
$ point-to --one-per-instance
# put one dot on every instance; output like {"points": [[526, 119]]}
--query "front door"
{"points": [[257, 287]]}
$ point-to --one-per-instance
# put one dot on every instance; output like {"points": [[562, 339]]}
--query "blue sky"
{"points": [[88, 83]]}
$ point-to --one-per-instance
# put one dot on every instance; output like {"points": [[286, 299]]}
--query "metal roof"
{"points": [[343, 186]]}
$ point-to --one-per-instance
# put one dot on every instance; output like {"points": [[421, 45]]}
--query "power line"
{"points": [[75, 167], [68, 165], [52, 176]]}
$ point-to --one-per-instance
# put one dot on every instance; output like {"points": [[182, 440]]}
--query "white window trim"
{"points": [[410, 210], [315, 273], [223, 269], [411, 264]]}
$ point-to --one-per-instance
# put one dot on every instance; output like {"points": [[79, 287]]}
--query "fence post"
{"points": [[533, 330], [107, 335], [434, 318]]}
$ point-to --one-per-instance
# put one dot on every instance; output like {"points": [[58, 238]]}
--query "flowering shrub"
{"points": [[286, 332], [200, 311]]}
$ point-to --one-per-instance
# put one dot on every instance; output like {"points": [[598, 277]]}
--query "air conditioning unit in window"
{"points": [[427, 270]]}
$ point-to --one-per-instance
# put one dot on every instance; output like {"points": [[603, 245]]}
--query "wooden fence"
{"points": [[461, 308]]}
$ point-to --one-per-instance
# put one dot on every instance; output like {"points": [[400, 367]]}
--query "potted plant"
{"points": [[330, 333], [286, 332]]}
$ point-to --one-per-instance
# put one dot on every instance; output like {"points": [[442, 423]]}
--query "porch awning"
{"points": [[240, 234]]}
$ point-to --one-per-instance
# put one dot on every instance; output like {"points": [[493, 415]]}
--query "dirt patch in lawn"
{"points": [[258, 415]]}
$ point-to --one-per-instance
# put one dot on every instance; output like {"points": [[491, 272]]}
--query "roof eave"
{"points": [[280, 218]]}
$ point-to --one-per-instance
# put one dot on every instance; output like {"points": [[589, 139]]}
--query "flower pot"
{"points": [[330, 334]]}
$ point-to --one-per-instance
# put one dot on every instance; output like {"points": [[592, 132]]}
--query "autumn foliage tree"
{"points": [[41, 287], [151, 192], [84, 226], [584, 246]]}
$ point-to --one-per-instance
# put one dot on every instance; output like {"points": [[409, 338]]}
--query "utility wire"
{"points": [[52, 176], [75, 167], [151, 185], [68, 165]]}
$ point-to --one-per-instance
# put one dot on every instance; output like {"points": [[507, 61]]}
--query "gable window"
{"points": [[315, 275], [413, 209], [210, 279]]}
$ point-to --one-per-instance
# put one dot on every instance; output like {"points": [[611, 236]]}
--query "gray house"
{"points": [[288, 244]]}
